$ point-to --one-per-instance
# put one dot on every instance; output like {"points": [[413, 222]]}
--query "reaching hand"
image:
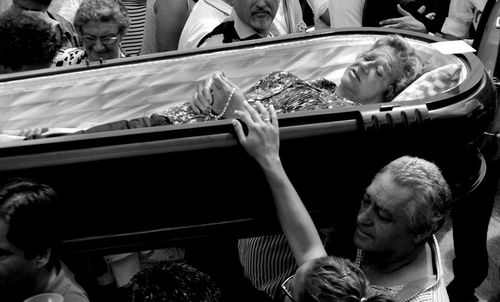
{"points": [[262, 141], [406, 22], [222, 88]]}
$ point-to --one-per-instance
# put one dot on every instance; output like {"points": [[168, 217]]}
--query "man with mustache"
{"points": [[249, 20]]}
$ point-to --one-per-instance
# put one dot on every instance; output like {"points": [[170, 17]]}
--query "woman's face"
{"points": [[369, 77], [101, 40]]}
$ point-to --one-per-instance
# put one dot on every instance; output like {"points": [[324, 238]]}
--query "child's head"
{"points": [[328, 279], [173, 281]]}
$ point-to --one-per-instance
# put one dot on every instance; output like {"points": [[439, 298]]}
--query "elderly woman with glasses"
{"points": [[101, 24]]}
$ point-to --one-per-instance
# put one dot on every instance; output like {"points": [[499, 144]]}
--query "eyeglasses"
{"points": [[286, 286], [110, 40]]}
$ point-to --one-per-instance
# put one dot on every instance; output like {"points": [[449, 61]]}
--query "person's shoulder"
{"points": [[64, 283], [65, 23], [222, 33]]}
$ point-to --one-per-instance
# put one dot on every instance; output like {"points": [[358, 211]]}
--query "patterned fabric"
{"points": [[285, 91], [431, 83], [132, 40], [434, 292], [69, 57]]}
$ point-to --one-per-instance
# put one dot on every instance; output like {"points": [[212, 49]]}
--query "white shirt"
{"points": [[461, 15], [346, 13], [204, 17]]}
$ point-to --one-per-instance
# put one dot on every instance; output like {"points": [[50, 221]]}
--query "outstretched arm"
{"points": [[262, 143]]}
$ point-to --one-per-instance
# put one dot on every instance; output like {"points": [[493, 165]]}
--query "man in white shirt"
{"points": [[208, 14], [249, 20]]}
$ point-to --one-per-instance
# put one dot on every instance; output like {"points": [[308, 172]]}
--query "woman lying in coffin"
{"points": [[376, 76]]}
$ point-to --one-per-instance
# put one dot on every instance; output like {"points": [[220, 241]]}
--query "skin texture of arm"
{"points": [[262, 143], [171, 15]]}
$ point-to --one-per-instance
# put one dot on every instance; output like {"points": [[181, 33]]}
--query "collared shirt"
{"points": [[63, 283], [461, 15], [234, 30], [424, 290]]}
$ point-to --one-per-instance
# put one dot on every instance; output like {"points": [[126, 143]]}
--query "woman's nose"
{"points": [[365, 65], [98, 46]]}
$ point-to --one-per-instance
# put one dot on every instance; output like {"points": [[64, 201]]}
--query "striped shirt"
{"points": [[132, 41], [267, 261], [432, 290]]}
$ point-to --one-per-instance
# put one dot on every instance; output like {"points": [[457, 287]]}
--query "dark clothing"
{"points": [[471, 217], [376, 11], [142, 122], [226, 29]]}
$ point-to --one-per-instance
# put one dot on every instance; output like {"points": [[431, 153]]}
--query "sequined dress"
{"points": [[285, 91]]}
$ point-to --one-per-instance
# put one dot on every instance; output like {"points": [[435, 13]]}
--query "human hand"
{"points": [[202, 100], [407, 21], [225, 100], [262, 141]]}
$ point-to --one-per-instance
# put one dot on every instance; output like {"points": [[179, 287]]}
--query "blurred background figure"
{"points": [[164, 22], [65, 8], [28, 41], [30, 234], [63, 27]]}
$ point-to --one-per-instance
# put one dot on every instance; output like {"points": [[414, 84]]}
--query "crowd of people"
{"points": [[406, 203]]}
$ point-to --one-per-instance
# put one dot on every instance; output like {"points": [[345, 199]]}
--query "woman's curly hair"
{"points": [[173, 281], [408, 65], [26, 40], [102, 11]]}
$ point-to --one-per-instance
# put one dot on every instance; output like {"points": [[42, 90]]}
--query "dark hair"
{"points": [[174, 282], [26, 40], [336, 279], [102, 11], [32, 211]]}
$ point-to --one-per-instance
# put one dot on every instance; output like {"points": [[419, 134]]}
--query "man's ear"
{"points": [[42, 259]]}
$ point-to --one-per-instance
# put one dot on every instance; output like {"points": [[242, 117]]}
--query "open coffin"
{"points": [[141, 188]]}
